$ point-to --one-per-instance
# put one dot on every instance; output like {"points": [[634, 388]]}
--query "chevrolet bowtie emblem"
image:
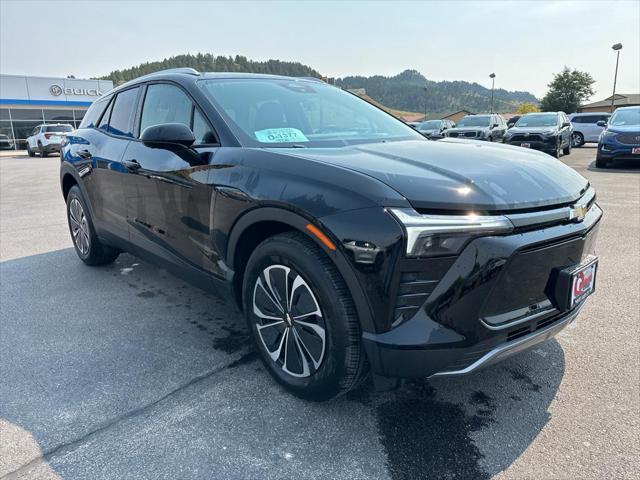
{"points": [[577, 213]]}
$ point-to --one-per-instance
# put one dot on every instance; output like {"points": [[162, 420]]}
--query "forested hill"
{"points": [[206, 62], [406, 91]]}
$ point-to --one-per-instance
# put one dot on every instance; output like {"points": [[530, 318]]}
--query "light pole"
{"points": [[617, 47], [493, 83], [425, 104]]}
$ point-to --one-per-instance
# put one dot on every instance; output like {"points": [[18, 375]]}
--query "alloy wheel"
{"points": [[79, 226], [576, 140], [289, 321]]}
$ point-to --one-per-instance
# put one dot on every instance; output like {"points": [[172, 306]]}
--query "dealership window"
{"points": [[4, 114], [32, 114], [58, 116]]}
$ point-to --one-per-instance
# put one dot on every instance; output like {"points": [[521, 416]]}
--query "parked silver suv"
{"points": [[585, 127], [46, 138]]}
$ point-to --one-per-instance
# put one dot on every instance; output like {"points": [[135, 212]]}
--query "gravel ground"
{"points": [[126, 372]]}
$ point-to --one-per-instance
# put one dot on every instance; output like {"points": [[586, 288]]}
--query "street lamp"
{"points": [[493, 83], [425, 103], [617, 47]]}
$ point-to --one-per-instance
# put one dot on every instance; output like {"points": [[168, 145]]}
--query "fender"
{"points": [[67, 169], [299, 222]]}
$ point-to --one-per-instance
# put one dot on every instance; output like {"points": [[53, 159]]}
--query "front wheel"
{"points": [[30, 152], [87, 244], [302, 318], [601, 162], [567, 149], [41, 150]]}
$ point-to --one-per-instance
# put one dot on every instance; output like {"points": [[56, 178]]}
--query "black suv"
{"points": [[351, 242], [546, 131], [491, 128]]}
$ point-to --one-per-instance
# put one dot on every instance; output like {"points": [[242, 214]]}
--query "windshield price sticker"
{"points": [[280, 135]]}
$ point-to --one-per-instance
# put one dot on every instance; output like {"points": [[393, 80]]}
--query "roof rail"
{"points": [[187, 70]]}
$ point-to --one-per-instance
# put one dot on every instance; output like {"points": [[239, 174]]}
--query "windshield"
{"points": [[58, 128], [625, 117], [429, 125], [286, 112], [550, 120], [474, 121]]}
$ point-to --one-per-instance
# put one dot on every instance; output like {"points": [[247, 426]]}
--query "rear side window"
{"points": [[92, 115], [120, 122], [104, 121]]}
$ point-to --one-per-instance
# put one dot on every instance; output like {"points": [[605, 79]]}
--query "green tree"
{"points": [[527, 107], [568, 89]]}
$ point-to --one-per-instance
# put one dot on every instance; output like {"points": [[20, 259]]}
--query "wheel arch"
{"points": [[260, 223]]}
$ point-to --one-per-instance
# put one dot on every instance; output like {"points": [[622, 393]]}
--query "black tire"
{"points": [[41, 150], [88, 247], [601, 162], [337, 364], [567, 149], [577, 139], [30, 152]]}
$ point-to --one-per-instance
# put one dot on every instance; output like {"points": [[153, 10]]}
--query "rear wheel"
{"points": [[88, 247], [41, 150], [302, 318], [577, 139]]}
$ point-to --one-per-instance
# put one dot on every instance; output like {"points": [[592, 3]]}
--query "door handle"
{"points": [[85, 154], [132, 165]]}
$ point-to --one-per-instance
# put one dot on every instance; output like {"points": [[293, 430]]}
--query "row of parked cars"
{"points": [[556, 133]]}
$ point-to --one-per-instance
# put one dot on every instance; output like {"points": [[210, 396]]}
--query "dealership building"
{"points": [[26, 102]]}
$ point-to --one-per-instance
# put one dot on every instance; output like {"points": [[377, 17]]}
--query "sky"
{"points": [[524, 43]]}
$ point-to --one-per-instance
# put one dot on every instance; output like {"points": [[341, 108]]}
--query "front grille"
{"points": [[527, 277], [463, 134], [470, 134], [629, 138], [527, 138]]}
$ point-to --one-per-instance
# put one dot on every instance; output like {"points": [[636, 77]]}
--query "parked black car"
{"points": [[546, 131], [434, 129], [351, 242], [479, 127]]}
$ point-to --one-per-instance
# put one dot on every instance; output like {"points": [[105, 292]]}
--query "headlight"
{"points": [[549, 132], [606, 133], [441, 235]]}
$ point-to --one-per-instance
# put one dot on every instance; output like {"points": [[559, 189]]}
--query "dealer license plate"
{"points": [[635, 150], [583, 282], [525, 145]]}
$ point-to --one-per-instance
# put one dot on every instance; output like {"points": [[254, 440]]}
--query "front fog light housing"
{"points": [[442, 235]]}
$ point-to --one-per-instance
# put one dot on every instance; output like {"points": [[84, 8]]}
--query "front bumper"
{"points": [[548, 145], [495, 299], [51, 147], [615, 151]]}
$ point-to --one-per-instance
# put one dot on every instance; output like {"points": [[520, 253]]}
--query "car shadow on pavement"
{"points": [[125, 371]]}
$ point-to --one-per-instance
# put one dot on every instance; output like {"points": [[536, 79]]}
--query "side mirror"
{"points": [[167, 135], [510, 124], [566, 124], [601, 123], [495, 125]]}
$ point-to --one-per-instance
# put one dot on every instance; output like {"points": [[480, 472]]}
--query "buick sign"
{"points": [[56, 90]]}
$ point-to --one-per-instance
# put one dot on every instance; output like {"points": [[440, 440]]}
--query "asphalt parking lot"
{"points": [[126, 372]]}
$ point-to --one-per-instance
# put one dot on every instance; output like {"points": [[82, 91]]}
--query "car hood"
{"points": [[459, 175], [514, 130], [624, 129]]}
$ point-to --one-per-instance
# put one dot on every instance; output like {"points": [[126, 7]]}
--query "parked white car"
{"points": [[585, 127], [46, 138]]}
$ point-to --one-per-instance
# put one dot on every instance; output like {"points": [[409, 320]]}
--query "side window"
{"points": [[576, 120], [201, 129], [165, 103], [104, 121], [92, 115], [123, 108]]}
